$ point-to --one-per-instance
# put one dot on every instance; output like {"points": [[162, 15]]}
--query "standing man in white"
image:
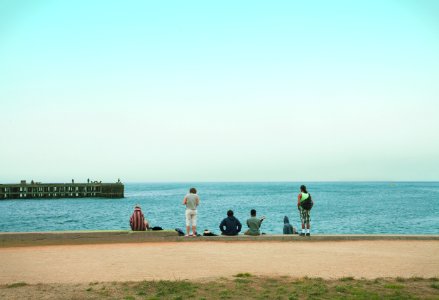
{"points": [[191, 201]]}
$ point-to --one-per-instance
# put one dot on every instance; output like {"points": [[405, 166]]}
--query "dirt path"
{"points": [[147, 261]]}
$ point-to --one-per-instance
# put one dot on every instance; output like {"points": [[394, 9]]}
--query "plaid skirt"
{"points": [[305, 217]]}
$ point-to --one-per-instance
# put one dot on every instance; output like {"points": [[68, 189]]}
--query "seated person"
{"points": [[254, 224], [288, 228], [230, 225], [137, 220]]}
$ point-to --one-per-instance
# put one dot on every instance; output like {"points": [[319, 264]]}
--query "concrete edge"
{"points": [[22, 239]]}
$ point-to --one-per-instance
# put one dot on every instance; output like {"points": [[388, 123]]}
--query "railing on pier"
{"points": [[61, 190]]}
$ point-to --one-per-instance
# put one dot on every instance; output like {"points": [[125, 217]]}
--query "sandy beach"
{"points": [[207, 260]]}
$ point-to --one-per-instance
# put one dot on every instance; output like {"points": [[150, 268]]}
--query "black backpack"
{"points": [[307, 204]]}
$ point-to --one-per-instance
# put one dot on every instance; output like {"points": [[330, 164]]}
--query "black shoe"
{"points": [[302, 234], [308, 234]]}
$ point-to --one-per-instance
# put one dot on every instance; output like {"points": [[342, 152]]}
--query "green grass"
{"points": [[243, 275], [240, 286], [16, 284], [393, 286], [349, 278]]}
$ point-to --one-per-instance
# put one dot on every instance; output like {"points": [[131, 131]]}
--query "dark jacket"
{"points": [[232, 226], [288, 229]]}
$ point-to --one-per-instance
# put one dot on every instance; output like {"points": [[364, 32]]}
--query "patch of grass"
{"points": [[400, 279], [165, 288], [347, 278], [281, 290], [224, 294], [435, 286], [16, 284], [129, 298], [293, 297], [239, 287], [317, 289], [340, 289], [393, 286], [243, 275], [416, 278], [104, 293], [433, 279], [242, 280]]}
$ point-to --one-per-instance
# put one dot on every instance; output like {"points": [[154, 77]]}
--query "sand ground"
{"points": [[207, 260]]}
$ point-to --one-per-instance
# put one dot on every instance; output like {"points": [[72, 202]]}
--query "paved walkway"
{"points": [[176, 260]]}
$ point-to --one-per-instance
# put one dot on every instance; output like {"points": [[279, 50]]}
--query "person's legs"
{"points": [[307, 223], [302, 219], [194, 223], [188, 221]]}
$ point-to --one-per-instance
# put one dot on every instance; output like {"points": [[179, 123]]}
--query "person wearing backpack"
{"points": [[304, 205]]}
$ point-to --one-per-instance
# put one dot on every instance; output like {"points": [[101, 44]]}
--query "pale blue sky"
{"points": [[219, 90]]}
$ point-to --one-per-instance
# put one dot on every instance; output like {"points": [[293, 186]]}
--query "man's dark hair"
{"points": [[193, 191], [230, 213], [253, 212], [303, 189]]}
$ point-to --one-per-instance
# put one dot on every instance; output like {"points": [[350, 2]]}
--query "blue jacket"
{"points": [[230, 226]]}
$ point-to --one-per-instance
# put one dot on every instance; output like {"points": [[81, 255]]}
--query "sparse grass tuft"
{"points": [[393, 286], [435, 286], [340, 289], [348, 278], [16, 284], [242, 280], [243, 275], [416, 278]]}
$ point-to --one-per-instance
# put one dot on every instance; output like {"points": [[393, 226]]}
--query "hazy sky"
{"points": [[219, 90]]}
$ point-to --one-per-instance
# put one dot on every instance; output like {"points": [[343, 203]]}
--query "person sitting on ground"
{"points": [[138, 221], [230, 225], [288, 228], [254, 224]]}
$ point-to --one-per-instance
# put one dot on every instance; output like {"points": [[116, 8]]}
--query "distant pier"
{"points": [[33, 190]]}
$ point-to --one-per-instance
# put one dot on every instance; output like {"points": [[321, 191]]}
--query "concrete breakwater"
{"points": [[31, 190], [18, 239]]}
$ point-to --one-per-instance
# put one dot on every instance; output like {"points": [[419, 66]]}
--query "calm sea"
{"points": [[339, 207]]}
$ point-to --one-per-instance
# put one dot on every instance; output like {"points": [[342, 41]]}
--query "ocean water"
{"points": [[339, 207]]}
